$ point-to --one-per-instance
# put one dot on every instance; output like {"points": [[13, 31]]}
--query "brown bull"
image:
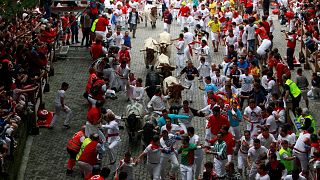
{"points": [[172, 86]]}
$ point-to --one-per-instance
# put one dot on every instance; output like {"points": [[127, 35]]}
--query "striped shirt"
{"points": [[220, 149]]}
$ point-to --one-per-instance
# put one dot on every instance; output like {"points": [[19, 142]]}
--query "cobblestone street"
{"points": [[48, 155]]}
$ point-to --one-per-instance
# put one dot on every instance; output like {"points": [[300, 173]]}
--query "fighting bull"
{"points": [[164, 67], [164, 43], [172, 86], [150, 13], [150, 52], [134, 121], [152, 82], [148, 130]]}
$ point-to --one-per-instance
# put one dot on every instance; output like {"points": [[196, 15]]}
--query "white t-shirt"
{"points": [[231, 40], [181, 46], [137, 92], [289, 138], [244, 148], [271, 121], [250, 31], [253, 114], [60, 94], [246, 82], [266, 142], [219, 81], [255, 154], [300, 144], [265, 177], [174, 128], [188, 37], [118, 39], [153, 156]]}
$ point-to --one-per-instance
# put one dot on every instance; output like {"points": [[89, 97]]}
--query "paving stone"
{"points": [[48, 156]]}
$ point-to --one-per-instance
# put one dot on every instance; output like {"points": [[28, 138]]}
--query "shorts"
{"points": [[214, 36]]}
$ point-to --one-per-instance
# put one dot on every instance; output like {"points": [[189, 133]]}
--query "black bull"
{"points": [[133, 125], [153, 81]]}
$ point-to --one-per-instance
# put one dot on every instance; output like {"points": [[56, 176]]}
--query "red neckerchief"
{"points": [[274, 164], [169, 127], [181, 39], [186, 110], [154, 145]]}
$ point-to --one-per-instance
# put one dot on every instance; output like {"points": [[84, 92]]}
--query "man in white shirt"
{"points": [[156, 101], [123, 73], [246, 142], [59, 104], [300, 151], [188, 39], [113, 135], [271, 122], [137, 91], [168, 143], [250, 31], [218, 79], [118, 38], [256, 156], [153, 152], [266, 138], [262, 173], [198, 155], [180, 46], [252, 114], [246, 81]]}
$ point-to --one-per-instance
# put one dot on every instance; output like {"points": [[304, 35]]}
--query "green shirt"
{"points": [[187, 154]]}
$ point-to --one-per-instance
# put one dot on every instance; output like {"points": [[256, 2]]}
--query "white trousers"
{"points": [[190, 92], [57, 113], [154, 170], [198, 163], [166, 27], [242, 160], [164, 162], [110, 151], [235, 131], [219, 165], [187, 53], [180, 63], [303, 158], [186, 172]]}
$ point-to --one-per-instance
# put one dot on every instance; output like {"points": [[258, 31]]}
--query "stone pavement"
{"points": [[48, 156]]}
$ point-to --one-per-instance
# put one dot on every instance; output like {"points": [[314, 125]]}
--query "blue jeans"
{"points": [[251, 44]]}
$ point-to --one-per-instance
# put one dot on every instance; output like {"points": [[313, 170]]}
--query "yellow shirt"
{"points": [[212, 8], [215, 27]]}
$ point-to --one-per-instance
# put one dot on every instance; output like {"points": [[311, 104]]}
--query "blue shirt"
{"points": [[244, 65], [234, 122], [210, 87], [127, 41], [161, 121]]}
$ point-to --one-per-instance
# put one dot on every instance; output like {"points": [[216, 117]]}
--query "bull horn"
{"points": [[186, 87], [167, 84], [142, 50], [140, 131], [155, 43]]}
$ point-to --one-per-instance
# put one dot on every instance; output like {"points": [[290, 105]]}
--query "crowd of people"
{"points": [[252, 88], [25, 44]]}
